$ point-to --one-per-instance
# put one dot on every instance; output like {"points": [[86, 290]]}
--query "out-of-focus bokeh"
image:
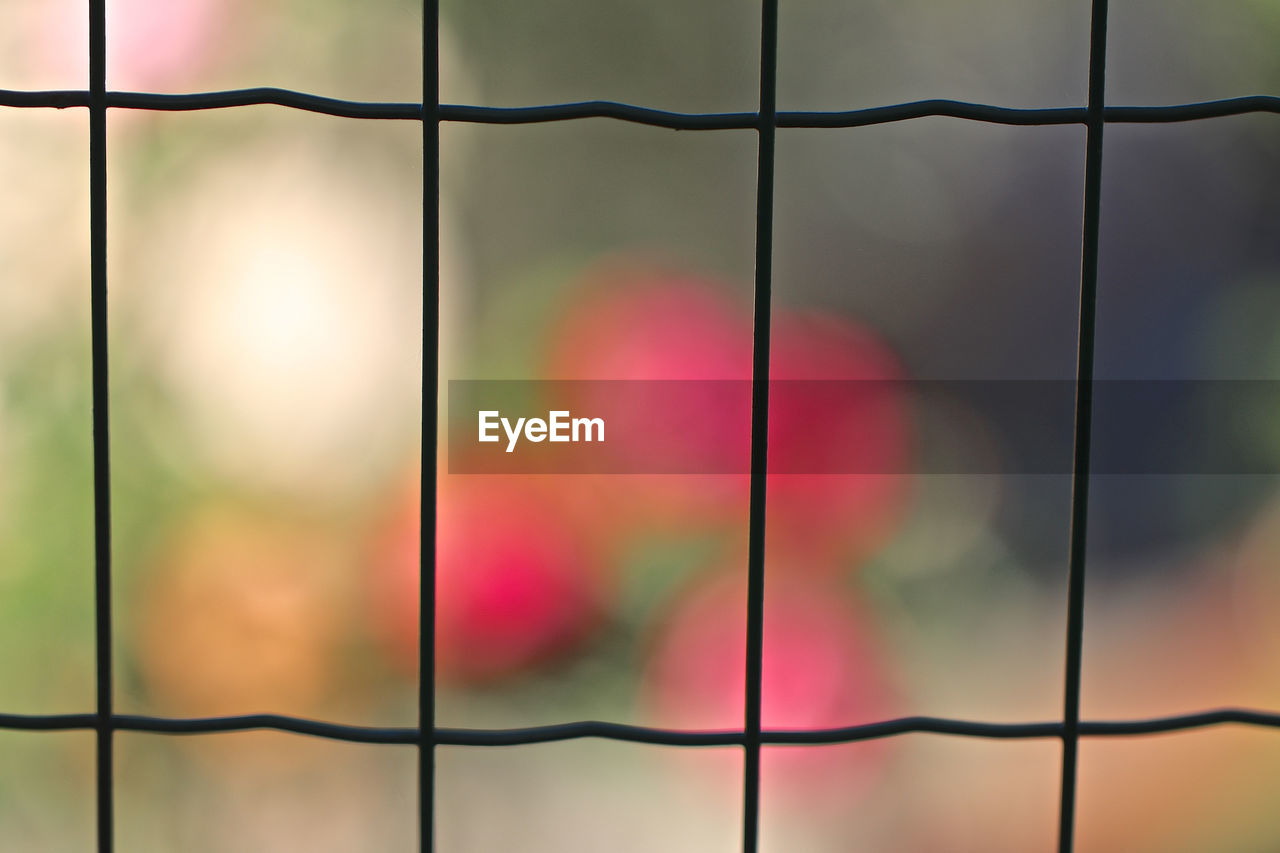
{"points": [[266, 303]]}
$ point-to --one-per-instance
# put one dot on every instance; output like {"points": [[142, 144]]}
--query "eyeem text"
{"points": [[557, 427]]}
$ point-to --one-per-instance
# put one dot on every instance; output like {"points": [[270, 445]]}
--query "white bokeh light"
{"points": [[285, 312]]}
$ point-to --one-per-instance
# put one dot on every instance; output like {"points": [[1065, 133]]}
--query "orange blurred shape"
{"points": [[519, 579], [240, 614]]}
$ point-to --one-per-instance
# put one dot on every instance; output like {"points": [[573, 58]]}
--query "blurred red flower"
{"points": [[838, 419], [838, 427], [518, 582], [822, 667]]}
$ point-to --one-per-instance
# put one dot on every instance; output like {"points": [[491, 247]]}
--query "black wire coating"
{"points": [[430, 404], [1083, 426], [63, 99], [639, 734], [104, 717], [766, 127]]}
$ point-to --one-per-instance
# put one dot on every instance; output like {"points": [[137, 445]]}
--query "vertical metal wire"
{"points": [[767, 128], [103, 722], [1083, 423], [430, 418]]}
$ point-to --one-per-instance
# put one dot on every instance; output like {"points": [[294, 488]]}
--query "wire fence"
{"points": [[426, 736]]}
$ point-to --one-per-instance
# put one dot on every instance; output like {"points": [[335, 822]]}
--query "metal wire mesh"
{"points": [[426, 736]]}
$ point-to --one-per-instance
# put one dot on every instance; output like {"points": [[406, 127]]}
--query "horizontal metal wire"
{"points": [[216, 100], [208, 725], [643, 115], [638, 734], [1192, 112]]}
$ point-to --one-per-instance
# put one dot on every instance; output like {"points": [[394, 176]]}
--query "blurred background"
{"points": [[265, 299]]}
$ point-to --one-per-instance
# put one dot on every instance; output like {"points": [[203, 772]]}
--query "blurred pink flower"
{"points": [[632, 320], [516, 583], [842, 445], [151, 44], [847, 438], [822, 668]]}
